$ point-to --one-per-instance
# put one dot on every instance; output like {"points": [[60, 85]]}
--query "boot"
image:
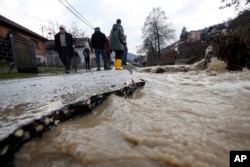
{"points": [[106, 66], [98, 66], [118, 64]]}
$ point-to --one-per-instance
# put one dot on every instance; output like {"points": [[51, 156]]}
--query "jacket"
{"points": [[69, 43], [98, 40], [107, 49], [125, 46], [117, 38], [86, 52]]}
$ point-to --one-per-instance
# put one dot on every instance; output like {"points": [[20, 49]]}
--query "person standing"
{"points": [[86, 53], [117, 43], [108, 52], [64, 45], [125, 52], [98, 41]]}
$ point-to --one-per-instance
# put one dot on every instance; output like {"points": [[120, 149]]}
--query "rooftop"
{"points": [[6, 21]]}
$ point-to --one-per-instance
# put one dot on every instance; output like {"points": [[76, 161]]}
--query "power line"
{"points": [[79, 14], [76, 13]]}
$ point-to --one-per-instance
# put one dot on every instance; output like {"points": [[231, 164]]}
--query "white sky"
{"points": [[194, 14]]}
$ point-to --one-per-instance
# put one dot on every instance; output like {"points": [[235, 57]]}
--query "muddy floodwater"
{"points": [[177, 119]]}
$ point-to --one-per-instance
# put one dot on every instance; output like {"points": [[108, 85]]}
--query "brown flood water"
{"points": [[178, 119]]}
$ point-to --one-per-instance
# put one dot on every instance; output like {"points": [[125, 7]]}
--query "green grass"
{"points": [[16, 75], [50, 70], [43, 70]]}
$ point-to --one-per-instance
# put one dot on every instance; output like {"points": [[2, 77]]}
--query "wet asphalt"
{"points": [[24, 100]]}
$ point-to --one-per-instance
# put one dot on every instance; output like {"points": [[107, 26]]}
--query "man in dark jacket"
{"points": [[65, 47], [98, 41], [117, 43]]}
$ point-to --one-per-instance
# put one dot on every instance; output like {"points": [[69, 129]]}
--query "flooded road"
{"points": [[177, 119]]}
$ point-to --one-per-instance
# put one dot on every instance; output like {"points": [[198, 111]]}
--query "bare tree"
{"points": [[52, 28], [75, 31], [156, 31], [235, 3]]}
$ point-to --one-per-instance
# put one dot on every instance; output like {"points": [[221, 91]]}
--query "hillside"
{"points": [[130, 56]]}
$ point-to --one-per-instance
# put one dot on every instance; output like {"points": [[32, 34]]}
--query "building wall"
{"points": [[39, 44], [194, 36]]}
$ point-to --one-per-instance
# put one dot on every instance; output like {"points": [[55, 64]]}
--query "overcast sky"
{"points": [[194, 14]]}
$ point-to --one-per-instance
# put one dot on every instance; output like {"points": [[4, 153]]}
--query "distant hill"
{"points": [[130, 56]]}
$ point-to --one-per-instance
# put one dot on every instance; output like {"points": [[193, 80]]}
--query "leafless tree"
{"points": [[75, 31], [235, 3], [156, 31], [52, 28]]}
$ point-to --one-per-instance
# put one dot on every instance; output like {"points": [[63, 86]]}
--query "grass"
{"points": [[43, 70], [16, 75], [46, 70]]}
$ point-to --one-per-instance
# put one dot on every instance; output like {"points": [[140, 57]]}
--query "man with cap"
{"points": [[98, 41], [65, 47]]}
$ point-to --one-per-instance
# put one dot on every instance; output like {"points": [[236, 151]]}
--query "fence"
{"points": [[17, 52], [24, 54], [6, 58], [5, 51]]}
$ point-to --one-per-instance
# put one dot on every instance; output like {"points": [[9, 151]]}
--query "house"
{"points": [[208, 33], [7, 26], [216, 29], [193, 36]]}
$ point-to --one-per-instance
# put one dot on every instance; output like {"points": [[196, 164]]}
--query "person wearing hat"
{"points": [[98, 41], [64, 45], [117, 43]]}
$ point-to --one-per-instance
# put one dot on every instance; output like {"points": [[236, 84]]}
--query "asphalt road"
{"points": [[24, 100]]}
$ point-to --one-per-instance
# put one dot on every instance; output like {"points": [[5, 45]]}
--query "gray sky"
{"points": [[194, 14]]}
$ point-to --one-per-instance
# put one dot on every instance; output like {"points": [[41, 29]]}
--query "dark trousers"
{"points": [[98, 54], [65, 58], [124, 58], [87, 62], [108, 59], [118, 54]]}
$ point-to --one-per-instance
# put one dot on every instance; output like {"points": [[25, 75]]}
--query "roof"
{"points": [[6, 21]]}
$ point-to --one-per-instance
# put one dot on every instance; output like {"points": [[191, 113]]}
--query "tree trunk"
{"points": [[159, 46], [158, 41]]}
